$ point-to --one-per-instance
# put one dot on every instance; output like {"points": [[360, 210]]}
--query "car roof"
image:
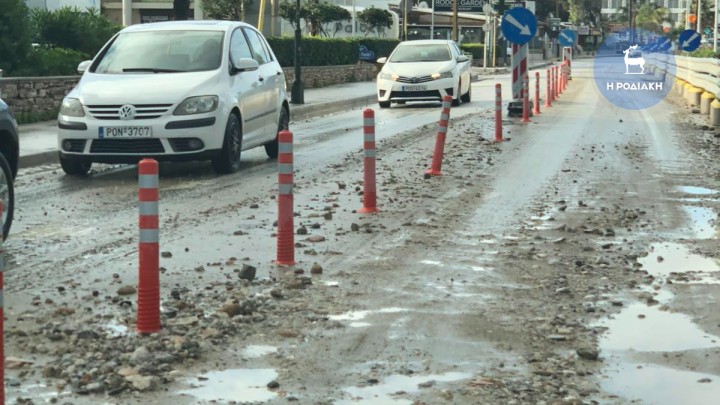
{"points": [[189, 25], [426, 42]]}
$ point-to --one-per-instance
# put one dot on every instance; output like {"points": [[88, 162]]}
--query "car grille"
{"points": [[142, 111], [419, 79], [148, 146], [416, 94]]}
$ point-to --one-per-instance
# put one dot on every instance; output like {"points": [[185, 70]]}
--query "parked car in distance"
{"points": [[179, 90], [9, 156], [424, 70]]}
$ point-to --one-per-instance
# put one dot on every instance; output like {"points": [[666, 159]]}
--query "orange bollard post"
{"points": [[536, 109], [526, 99], [369, 183], [498, 113], [440, 140], [286, 227], [548, 89], [557, 83], [148, 306]]}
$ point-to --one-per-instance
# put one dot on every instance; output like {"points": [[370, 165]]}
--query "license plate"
{"points": [[419, 87], [124, 132]]}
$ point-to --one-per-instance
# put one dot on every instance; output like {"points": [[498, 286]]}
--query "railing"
{"points": [[700, 72]]}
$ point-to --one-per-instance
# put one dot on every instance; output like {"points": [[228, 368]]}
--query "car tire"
{"points": [[384, 104], [228, 160], [466, 98], [457, 100], [8, 201], [271, 148], [74, 166]]}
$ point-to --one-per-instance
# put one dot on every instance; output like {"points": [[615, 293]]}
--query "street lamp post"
{"points": [[297, 96]]}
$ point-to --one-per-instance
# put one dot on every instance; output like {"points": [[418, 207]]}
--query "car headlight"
{"points": [[197, 105], [388, 76], [443, 75], [72, 107]]}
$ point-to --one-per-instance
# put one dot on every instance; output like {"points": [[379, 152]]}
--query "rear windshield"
{"points": [[421, 53], [162, 52]]}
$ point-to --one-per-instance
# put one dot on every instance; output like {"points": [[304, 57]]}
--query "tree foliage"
{"points": [[15, 34], [233, 10], [650, 18], [376, 20], [316, 15]]}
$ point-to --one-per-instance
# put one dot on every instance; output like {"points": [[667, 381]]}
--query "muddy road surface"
{"points": [[576, 262]]}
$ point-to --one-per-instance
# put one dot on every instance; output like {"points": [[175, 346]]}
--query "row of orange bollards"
{"points": [[148, 318]]}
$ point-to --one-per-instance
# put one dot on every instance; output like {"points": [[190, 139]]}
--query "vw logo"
{"points": [[127, 112]]}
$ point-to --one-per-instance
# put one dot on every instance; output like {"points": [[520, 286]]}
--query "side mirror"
{"points": [[462, 58], [83, 66], [244, 65], [381, 60]]}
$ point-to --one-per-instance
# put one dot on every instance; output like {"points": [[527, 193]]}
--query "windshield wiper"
{"points": [[153, 70]]}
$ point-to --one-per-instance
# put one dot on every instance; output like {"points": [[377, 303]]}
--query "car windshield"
{"points": [[163, 52], [421, 53]]}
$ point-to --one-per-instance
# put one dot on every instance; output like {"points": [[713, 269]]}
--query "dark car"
{"points": [[9, 152]]}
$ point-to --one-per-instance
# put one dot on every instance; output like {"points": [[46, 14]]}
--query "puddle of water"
{"points": [[233, 384], [432, 262], [676, 258], [384, 393], [254, 351], [660, 385], [702, 221], [696, 190], [658, 331]]}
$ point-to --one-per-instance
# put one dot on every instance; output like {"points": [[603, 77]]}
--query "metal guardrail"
{"points": [[700, 72]]}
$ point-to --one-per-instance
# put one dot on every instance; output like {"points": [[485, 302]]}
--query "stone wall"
{"points": [[40, 95]]}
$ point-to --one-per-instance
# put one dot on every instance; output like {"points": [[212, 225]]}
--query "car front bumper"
{"points": [[389, 90], [172, 139]]}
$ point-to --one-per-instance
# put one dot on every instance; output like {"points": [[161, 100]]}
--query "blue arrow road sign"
{"points": [[567, 38], [689, 40], [519, 25]]}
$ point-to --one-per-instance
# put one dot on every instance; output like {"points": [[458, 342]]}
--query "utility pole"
{"points": [[715, 27], [297, 95], [455, 20]]}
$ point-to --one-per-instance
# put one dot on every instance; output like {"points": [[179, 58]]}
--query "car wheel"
{"points": [[457, 100], [75, 166], [7, 195], [384, 104], [467, 96], [271, 148], [228, 160]]}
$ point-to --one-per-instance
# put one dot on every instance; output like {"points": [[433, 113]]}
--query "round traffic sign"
{"points": [[567, 38], [689, 40], [519, 25]]}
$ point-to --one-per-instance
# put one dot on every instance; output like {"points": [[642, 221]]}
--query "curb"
{"points": [[38, 159], [301, 112]]}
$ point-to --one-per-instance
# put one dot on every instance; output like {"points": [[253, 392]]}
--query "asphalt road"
{"points": [[563, 264]]}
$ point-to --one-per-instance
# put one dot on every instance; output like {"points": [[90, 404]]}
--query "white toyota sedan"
{"points": [[181, 90], [424, 70]]}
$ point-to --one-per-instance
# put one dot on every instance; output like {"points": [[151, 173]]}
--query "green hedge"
{"points": [[475, 49], [43, 61], [704, 53], [328, 51]]}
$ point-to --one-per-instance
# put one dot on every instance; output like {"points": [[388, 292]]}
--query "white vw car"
{"points": [[181, 90], [424, 70]]}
